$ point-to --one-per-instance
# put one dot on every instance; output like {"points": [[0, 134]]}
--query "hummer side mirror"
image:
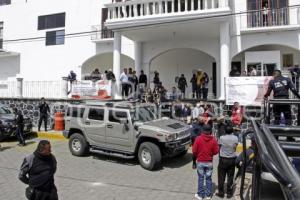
{"points": [[137, 125]]}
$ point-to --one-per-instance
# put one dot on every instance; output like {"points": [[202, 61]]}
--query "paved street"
{"points": [[100, 177]]}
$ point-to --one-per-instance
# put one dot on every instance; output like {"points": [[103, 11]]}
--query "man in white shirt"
{"points": [[198, 110], [124, 83]]}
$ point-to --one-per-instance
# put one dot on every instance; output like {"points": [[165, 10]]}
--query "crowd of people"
{"points": [[211, 135], [134, 86]]}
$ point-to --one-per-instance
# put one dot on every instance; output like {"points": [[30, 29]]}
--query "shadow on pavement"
{"points": [[30, 142], [177, 162], [32, 135], [128, 162], [5, 148]]}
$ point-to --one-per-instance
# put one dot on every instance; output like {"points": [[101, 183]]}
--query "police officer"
{"points": [[44, 110], [280, 86]]}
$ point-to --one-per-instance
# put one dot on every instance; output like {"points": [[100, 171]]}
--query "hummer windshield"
{"points": [[142, 114]]}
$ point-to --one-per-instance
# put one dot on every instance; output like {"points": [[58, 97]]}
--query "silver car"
{"points": [[125, 129]]}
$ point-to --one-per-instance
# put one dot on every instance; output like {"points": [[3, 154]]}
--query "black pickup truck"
{"points": [[8, 123]]}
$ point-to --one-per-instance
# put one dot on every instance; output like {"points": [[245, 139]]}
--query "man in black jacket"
{"points": [[143, 78], [280, 86], [37, 171], [44, 110], [20, 126]]}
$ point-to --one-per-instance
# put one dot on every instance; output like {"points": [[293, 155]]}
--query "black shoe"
{"points": [[229, 196], [39, 130], [221, 195]]}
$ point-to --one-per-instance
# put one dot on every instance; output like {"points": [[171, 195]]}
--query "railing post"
{"points": [[173, 6], [199, 4], [19, 87], [130, 11], [192, 5], [185, 5], [213, 4], [64, 87], [179, 5], [119, 12], [114, 13], [110, 13], [135, 12], [160, 7], [205, 4]]}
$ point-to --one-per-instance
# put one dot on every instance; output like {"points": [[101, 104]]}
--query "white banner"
{"points": [[84, 88], [99, 89], [246, 90]]}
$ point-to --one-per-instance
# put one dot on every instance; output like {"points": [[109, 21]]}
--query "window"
{"points": [[96, 114], [5, 2], [117, 116], [75, 112], [51, 21], [55, 37]]}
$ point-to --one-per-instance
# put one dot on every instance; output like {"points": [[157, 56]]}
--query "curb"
{"points": [[51, 135]]}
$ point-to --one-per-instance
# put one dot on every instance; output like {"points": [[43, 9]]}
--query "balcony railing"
{"points": [[143, 8], [270, 18], [101, 33]]}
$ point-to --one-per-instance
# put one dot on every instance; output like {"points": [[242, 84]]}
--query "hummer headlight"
{"points": [[171, 137]]}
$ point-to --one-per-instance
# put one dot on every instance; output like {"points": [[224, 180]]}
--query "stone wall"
{"points": [[30, 107]]}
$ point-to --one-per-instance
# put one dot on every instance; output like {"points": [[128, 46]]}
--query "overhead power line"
{"points": [[140, 27]]}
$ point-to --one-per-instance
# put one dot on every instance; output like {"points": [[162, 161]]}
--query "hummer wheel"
{"points": [[149, 156]]}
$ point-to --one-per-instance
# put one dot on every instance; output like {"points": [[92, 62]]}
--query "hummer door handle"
{"points": [[88, 123], [109, 126]]}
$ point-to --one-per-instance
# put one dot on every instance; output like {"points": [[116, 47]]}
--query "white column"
{"points": [[116, 64], [185, 5], [137, 57], [213, 4], [19, 87], [64, 87], [199, 4], [224, 57]]}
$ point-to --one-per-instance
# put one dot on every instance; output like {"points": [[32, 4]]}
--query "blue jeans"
{"points": [[204, 171]]}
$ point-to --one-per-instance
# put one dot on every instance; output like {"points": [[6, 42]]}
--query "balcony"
{"points": [[143, 12], [101, 34], [287, 18]]}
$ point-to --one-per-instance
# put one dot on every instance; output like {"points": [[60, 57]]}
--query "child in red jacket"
{"points": [[204, 148]]}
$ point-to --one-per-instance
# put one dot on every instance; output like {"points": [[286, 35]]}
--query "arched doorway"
{"points": [[172, 63], [104, 62], [266, 58]]}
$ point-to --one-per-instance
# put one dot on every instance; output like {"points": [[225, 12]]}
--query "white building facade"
{"points": [[45, 39]]}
